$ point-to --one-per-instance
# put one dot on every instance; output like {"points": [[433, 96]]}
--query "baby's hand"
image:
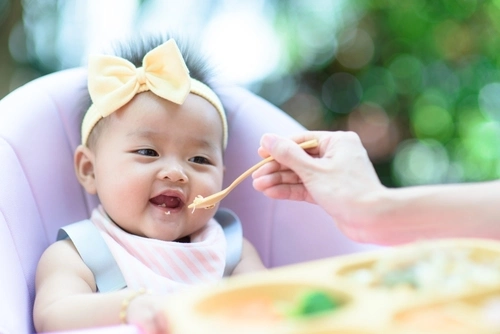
{"points": [[147, 313]]}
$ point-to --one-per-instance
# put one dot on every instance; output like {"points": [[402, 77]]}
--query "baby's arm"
{"points": [[250, 260], [66, 298]]}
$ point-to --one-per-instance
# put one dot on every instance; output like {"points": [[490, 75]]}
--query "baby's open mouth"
{"points": [[167, 202]]}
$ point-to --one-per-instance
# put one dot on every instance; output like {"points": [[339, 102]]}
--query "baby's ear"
{"points": [[84, 168]]}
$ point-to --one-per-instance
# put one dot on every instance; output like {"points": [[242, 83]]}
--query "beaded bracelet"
{"points": [[126, 302]]}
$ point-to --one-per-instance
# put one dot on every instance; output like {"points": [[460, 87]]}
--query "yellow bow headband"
{"points": [[114, 81]]}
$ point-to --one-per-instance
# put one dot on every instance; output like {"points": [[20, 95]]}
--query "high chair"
{"points": [[39, 129]]}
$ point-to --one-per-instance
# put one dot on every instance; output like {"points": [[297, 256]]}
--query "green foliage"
{"points": [[434, 70]]}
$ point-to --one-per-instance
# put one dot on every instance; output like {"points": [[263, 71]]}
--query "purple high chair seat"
{"points": [[39, 129]]}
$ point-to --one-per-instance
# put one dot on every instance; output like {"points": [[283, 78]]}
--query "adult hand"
{"points": [[337, 175]]}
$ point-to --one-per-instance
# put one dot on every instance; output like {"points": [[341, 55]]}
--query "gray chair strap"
{"points": [[108, 277], [95, 253], [234, 237]]}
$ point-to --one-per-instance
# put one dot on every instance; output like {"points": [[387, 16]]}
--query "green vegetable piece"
{"points": [[315, 302]]}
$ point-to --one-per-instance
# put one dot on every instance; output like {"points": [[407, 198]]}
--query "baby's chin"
{"points": [[165, 235], [173, 232]]}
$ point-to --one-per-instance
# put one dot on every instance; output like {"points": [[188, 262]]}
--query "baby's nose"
{"points": [[173, 174]]}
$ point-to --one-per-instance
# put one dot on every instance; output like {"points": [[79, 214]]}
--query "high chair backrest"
{"points": [[39, 129]]}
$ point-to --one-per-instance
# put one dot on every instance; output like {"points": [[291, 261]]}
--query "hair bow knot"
{"points": [[141, 76]]}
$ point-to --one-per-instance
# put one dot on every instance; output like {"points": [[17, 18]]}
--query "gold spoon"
{"points": [[210, 201]]}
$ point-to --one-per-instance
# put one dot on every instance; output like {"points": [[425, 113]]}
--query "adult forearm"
{"points": [[412, 213]]}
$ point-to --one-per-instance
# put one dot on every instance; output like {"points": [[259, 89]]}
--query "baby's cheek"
{"points": [[204, 216], [122, 198]]}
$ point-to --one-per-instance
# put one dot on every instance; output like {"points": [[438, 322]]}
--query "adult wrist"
{"points": [[375, 204]]}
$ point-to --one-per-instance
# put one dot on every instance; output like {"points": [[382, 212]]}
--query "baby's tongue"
{"points": [[166, 201]]}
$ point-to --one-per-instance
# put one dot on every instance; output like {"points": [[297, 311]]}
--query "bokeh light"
{"points": [[421, 162], [418, 80], [253, 53], [376, 130], [489, 100], [432, 121], [305, 108], [356, 49], [378, 86], [407, 72], [341, 92]]}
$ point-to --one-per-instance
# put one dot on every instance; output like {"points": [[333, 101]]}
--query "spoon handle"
{"points": [[210, 201], [305, 145]]}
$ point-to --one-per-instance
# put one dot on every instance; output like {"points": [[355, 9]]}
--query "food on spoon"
{"points": [[197, 201]]}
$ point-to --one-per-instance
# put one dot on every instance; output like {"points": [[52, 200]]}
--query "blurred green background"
{"points": [[418, 80]]}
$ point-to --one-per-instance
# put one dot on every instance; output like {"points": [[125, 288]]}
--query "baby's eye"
{"points": [[200, 160], [147, 152]]}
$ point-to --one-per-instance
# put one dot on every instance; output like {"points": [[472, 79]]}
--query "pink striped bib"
{"points": [[165, 266]]}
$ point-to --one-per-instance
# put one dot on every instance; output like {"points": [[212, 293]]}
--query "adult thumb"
{"points": [[286, 152]]}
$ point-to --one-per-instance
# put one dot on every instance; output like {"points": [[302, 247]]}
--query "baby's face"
{"points": [[152, 158]]}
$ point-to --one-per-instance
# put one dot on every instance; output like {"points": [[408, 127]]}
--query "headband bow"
{"points": [[114, 81]]}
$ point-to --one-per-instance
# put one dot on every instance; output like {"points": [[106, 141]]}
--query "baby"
{"points": [[152, 140]]}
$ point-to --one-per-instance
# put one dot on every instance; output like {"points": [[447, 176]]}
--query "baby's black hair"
{"points": [[137, 47]]}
